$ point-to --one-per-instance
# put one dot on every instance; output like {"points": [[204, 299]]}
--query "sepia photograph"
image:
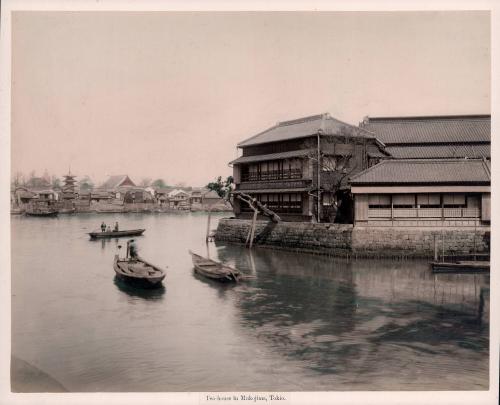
{"points": [[278, 206]]}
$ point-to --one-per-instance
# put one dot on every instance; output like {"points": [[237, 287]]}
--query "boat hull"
{"points": [[213, 270], [42, 214], [124, 271], [118, 234]]}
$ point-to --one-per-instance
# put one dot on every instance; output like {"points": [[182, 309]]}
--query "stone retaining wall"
{"points": [[337, 239]]}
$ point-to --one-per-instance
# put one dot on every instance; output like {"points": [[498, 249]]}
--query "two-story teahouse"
{"points": [[279, 167], [439, 175]]}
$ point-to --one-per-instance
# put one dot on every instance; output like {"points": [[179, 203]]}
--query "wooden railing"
{"points": [[387, 213]]}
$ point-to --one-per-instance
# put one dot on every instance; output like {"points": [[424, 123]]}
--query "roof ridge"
{"points": [[430, 117], [304, 119]]}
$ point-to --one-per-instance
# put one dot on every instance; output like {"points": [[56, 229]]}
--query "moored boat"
{"points": [[214, 270], [138, 272], [116, 234], [37, 212], [461, 267]]}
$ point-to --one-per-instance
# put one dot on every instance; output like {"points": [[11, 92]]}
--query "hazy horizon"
{"points": [[170, 94]]}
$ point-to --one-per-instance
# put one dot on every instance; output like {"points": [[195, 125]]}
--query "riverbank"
{"points": [[346, 240], [126, 210]]}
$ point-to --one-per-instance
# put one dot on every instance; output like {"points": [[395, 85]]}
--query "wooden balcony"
{"points": [[291, 174], [289, 185]]}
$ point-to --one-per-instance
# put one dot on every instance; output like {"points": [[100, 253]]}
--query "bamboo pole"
{"points": [[208, 223], [253, 229]]}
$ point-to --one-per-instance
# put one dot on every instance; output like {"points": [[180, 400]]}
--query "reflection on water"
{"points": [[303, 323], [133, 291]]}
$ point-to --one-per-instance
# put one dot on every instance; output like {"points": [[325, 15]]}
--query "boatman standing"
{"points": [[116, 227], [132, 248], [103, 227]]}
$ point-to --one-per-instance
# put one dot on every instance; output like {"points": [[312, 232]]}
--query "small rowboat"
{"points": [[41, 213], [116, 234], [214, 270], [138, 272]]}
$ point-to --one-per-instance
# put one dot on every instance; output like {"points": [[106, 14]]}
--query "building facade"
{"points": [[439, 174], [299, 168], [423, 192]]}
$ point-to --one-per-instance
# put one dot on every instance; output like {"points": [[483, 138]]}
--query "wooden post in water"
{"points": [[442, 245], [208, 223], [254, 219], [435, 249]]}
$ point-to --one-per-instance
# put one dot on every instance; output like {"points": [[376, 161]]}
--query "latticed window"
{"points": [[454, 200], [403, 200], [379, 201], [429, 200]]}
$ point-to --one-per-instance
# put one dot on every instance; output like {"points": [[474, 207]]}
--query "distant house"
{"points": [[115, 182], [135, 195], [210, 197], [161, 195], [178, 199], [195, 197], [22, 196]]}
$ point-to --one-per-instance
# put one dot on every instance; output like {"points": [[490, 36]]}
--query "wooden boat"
{"points": [[214, 270], [461, 267], [41, 212], [138, 272], [116, 234]]}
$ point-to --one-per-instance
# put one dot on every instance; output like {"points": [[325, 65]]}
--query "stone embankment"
{"points": [[346, 240]]}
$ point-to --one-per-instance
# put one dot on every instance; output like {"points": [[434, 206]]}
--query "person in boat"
{"points": [[115, 229], [103, 227], [108, 229], [132, 249]]}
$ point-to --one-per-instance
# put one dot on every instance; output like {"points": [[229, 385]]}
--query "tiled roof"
{"points": [[440, 151], [444, 129], [304, 127], [115, 181], [425, 171], [271, 156]]}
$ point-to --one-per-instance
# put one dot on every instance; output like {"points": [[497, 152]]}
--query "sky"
{"points": [[170, 94]]}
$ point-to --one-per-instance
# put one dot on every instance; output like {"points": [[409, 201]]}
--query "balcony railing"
{"points": [[432, 213], [273, 175]]}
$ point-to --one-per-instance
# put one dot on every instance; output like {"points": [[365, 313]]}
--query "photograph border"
{"points": [[345, 397]]}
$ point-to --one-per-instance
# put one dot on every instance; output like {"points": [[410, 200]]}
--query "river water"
{"points": [[305, 323]]}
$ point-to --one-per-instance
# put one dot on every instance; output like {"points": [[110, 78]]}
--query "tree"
{"points": [[55, 182], [86, 184], [336, 163], [222, 188], [159, 183]]}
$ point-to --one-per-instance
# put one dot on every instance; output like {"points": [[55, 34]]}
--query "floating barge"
{"points": [[461, 267]]}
